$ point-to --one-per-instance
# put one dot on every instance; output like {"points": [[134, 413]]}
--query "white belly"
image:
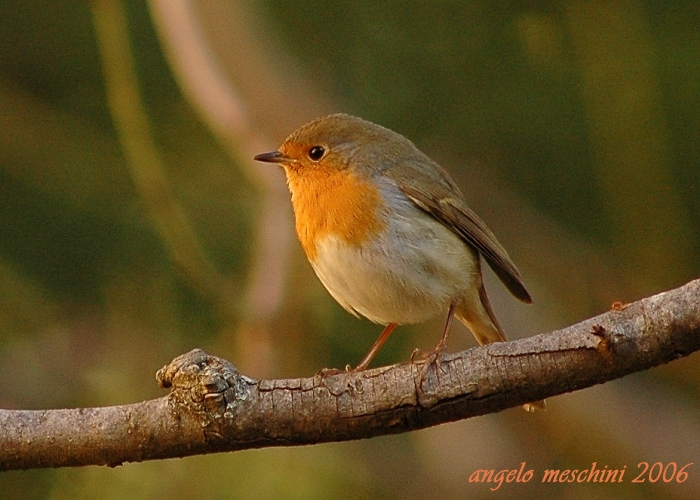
{"points": [[410, 273]]}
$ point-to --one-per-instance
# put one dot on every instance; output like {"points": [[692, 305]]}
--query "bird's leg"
{"points": [[443, 341], [446, 332], [327, 372], [375, 348]]}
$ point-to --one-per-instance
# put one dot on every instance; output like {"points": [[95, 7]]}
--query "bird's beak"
{"points": [[273, 157]]}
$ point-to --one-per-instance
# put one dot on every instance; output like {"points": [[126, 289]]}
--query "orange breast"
{"points": [[333, 203]]}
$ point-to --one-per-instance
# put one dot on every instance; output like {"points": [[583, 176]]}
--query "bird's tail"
{"points": [[474, 310]]}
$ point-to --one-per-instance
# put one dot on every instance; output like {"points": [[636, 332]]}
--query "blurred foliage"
{"points": [[587, 111]]}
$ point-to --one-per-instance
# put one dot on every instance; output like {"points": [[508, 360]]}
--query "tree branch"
{"points": [[213, 408]]}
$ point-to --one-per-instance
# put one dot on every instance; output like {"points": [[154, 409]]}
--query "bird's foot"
{"points": [[428, 358], [329, 372]]}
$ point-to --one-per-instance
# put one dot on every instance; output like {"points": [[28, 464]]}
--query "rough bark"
{"points": [[213, 408]]}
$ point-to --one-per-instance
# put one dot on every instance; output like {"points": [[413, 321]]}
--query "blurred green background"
{"points": [[133, 227]]}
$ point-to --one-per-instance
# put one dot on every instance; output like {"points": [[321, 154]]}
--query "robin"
{"points": [[388, 232]]}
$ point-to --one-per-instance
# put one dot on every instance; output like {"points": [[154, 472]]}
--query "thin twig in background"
{"points": [[147, 170], [211, 93]]}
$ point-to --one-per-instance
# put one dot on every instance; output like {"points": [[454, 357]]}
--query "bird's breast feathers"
{"points": [[336, 203]]}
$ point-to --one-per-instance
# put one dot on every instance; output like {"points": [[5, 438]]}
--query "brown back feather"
{"points": [[446, 203]]}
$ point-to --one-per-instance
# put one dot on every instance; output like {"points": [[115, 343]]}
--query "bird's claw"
{"points": [[329, 372]]}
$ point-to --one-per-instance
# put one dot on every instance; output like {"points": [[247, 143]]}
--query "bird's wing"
{"points": [[446, 203]]}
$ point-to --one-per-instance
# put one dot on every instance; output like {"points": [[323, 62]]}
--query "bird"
{"points": [[388, 232]]}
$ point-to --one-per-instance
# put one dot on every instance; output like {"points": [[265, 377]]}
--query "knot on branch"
{"points": [[207, 386]]}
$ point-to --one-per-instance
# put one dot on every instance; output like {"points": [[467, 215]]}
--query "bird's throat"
{"points": [[334, 204]]}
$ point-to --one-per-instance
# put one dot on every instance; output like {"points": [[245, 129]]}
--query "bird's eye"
{"points": [[316, 153]]}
